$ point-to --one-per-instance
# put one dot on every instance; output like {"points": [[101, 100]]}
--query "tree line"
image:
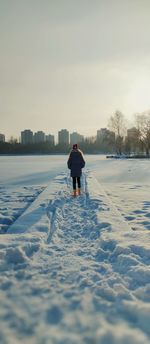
{"points": [[137, 139], [118, 140]]}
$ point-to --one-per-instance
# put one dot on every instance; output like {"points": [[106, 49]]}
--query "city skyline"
{"points": [[40, 136], [72, 63]]}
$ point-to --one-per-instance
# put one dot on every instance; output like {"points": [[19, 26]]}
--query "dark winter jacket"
{"points": [[76, 162]]}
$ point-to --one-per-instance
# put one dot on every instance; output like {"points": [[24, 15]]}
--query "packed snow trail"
{"points": [[73, 272]]}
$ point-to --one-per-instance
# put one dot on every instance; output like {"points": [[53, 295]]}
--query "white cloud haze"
{"points": [[71, 64]]}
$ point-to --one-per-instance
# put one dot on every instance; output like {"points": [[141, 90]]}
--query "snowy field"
{"points": [[74, 270]]}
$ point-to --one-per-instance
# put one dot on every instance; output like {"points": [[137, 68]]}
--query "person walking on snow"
{"points": [[75, 164]]}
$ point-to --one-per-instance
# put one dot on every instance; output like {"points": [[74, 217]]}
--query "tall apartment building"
{"points": [[2, 138], [26, 136], [101, 133], [76, 138], [105, 133], [50, 138], [133, 140], [132, 133], [63, 136], [39, 136]]}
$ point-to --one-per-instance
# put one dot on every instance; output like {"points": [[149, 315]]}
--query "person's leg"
{"points": [[74, 185], [79, 184]]}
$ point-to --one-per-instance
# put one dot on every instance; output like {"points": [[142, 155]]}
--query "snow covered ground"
{"points": [[74, 270]]}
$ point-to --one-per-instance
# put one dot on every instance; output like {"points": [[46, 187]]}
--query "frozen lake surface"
{"points": [[74, 270]]}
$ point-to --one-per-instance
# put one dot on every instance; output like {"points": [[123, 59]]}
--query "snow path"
{"points": [[74, 272]]}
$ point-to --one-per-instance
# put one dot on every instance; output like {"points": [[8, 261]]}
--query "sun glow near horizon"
{"points": [[138, 99]]}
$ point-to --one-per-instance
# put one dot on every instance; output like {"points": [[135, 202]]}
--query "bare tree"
{"points": [[117, 123], [143, 126], [13, 140]]}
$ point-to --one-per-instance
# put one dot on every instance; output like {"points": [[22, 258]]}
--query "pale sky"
{"points": [[72, 63]]}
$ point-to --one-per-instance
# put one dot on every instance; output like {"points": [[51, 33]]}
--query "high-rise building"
{"points": [[39, 136], [101, 133], [105, 133], [26, 136], [63, 136], [132, 133], [76, 138], [50, 138], [2, 138]]}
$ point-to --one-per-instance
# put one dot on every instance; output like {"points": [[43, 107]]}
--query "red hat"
{"points": [[75, 146]]}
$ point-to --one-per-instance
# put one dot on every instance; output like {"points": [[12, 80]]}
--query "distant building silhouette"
{"points": [[105, 133], [101, 133], [132, 132], [50, 138], [26, 136], [2, 138], [63, 136], [132, 140], [76, 138], [39, 136]]}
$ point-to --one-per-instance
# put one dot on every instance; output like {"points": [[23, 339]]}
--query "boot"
{"points": [[74, 193], [79, 191]]}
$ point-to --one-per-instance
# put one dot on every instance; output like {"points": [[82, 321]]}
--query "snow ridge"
{"points": [[13, 203]]}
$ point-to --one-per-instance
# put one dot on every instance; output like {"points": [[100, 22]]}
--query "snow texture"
{"points": [[76, 270]]}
